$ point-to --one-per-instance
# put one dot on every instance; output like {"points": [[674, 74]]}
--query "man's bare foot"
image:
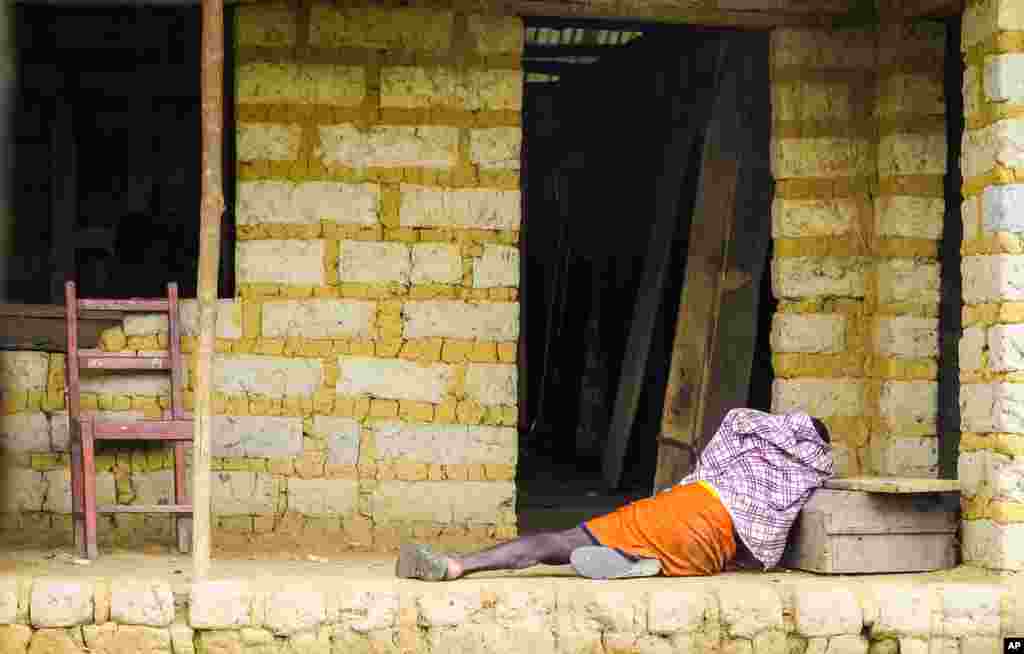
{"points": [[421, 562]]}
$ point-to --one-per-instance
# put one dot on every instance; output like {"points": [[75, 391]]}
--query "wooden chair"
{"points": [[86, 430]]}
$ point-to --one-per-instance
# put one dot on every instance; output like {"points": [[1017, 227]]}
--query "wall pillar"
{"points": [[991, 464]]}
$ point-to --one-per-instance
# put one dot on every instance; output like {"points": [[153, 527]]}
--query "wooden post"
{"points": [[212, 207]]}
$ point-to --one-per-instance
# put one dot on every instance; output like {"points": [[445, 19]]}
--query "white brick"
{"points": [[997, 407], [908, 280], [1004, 78], [1006, 347], [792, 332], [972, 471], [23, 371], [492, 384], [910, 403], [442, 501], [267, 142], [499, 266], [242, 493], [989, 473], [257, 436], [841, 460], [487, 321], [389, 146], [436, 263], [260, 375], [22, 489], [1002, 142], [826, 156], [297, 610], [822, 398], [220, 604], [674, 611], [993, 545], [993, 278], [286, 83], [342, 436], [307, 203], [59, 437], [805, 218], [229, 320], [904, 610], [24, 432], [318, 318], [745, 614], [424, 206], [907, 337], [323, 497], [912, 154], [826, 611], [374, 262], [798, 277], [134, 383], [970, 609], [152, 487], [394, 379], [445, 444], [906, 457], [142, 602], [905, 216], [281, 262], [58, 490], [61, 602], [407, 87], [1000, 208], [496, 147], [972, 343]]}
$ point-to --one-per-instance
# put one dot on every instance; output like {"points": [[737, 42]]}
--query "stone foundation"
{"points": [[330, 610]]}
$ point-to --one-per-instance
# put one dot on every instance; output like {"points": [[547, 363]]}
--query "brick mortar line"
{"points": [[992, 112], [838, 246], [368, 113], [997, 176], [355, 56], [394, 291], [993, 313], [1000, 42], [446, 179], [842, 365], [822, 188]]}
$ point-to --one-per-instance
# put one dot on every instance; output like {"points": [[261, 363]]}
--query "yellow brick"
{"points": [[507, 352], [416, 411], [361, 348], [484, 353], [162, 342], [469, 413], [270, 346], [474, 294], [1006, 512], [402, 235], [222, 346], [297, 292], [500, 471], [408, 471], [292, 406], [259, 406], [435, 472], [143, 343], [45, 461], [292, 346], [445, 411], [113, 340], [340, 471], [189, 401], [54, 401], [361, 408], [388, 348], [475, 472], [14, 401], [383, 408], [189, 344], [33, 401], [454, 351], [456, 472], [432, 291], [344, 407], [284, 467], [316, 348]]}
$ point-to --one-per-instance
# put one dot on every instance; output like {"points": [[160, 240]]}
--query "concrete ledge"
{"points": [[356, 604]]}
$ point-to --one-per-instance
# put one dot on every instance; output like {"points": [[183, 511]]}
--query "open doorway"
{"points": [[106, 145], [599, 106]]}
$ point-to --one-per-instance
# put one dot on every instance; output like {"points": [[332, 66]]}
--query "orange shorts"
{"points": [[687, 528]]}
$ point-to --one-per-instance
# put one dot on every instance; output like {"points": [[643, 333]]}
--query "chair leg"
{"points": [[89, 486], [182, 524], [77, 488]]}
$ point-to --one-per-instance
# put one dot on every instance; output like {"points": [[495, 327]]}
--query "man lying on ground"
{"points": [[749, 484]]}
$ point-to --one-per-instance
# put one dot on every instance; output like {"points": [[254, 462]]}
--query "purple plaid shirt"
{"points": [[764, 467]]}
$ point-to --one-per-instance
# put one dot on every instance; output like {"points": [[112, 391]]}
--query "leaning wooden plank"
{"points": [[735, 317], [711, 226], [689, 122], [211, 209], [894, 485]]}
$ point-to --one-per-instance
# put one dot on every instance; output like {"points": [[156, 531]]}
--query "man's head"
{"points": [[822, 430]]}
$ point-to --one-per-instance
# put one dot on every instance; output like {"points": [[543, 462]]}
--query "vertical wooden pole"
{"points": [[212, 207]]}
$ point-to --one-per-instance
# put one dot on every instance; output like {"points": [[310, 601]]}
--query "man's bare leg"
{"points": [[549, 548]]}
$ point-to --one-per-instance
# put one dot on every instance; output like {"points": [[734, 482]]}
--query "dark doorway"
{"points": [[107, 152], [596, 111]]}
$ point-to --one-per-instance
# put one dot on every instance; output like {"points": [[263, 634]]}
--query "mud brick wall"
{"points": [[316, 616], [991, 367], [365, 375], [858, 156]]}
